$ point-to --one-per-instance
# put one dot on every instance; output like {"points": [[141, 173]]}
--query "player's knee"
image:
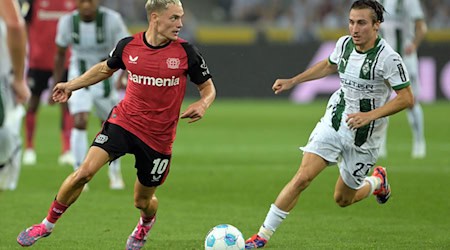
{"points": [[80, 121], [81, 125], [342, 201], [83, 176], [145, 203]]}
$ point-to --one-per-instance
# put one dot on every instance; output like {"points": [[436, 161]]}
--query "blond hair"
{"points": [[159, 5]]}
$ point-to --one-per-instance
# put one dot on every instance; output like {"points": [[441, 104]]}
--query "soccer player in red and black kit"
{"points": [[144, 122], [42, 18]]}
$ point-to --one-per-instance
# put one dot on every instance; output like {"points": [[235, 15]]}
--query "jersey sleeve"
{"points": [[395, 72], [64, 32], [197, 68], [338, 49], [114, 60], [121, 29], [414, 10]]}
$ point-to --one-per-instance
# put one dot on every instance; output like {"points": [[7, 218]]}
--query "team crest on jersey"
{"points": [[101, 138], [366, 67], [173, 63], [133, 60]]}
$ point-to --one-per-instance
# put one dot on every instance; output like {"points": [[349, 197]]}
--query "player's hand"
{"points": [[50, 100], [282, 84], [194, 112], [22, 91], [358, 120], [61, 93]]}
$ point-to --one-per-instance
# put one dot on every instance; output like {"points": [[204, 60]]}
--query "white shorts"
{"points": [[83, 100], [10, 133], [354, 162]]}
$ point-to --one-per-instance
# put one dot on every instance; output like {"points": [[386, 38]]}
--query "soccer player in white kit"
{"points": [[13, 91], [404, 29], [92, 31], [350, 132]]}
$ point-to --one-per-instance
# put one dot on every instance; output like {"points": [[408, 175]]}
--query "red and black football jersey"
{"points": [[42, 20], [156, 86]]}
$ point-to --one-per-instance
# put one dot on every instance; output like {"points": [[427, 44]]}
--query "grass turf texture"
{"points": [[228, 168]]}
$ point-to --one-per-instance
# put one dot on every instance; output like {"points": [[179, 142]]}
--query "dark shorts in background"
{"points": [[38, 80]]}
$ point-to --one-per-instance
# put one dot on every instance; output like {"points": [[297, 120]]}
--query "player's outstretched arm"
{"points": [[319, 70], [99, 72], [197, 110]]}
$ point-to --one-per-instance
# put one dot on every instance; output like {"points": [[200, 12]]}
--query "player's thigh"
{"points": [[355, 165], [311, 166], [96, 158], [80, 101], [115, 140]]}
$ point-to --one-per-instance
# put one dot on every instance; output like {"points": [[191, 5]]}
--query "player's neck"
{"points": [[362, 48], [154, 39]]}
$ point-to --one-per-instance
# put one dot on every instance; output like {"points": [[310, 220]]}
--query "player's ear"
{"points": [[376, 25], [154, 16]]}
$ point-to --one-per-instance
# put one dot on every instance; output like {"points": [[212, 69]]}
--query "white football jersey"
{"points": [[399, 22], [367, 80], [91, 42]]}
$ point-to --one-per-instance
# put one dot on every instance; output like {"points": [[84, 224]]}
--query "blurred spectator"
{"points": [[247, 10], [305, 17]]}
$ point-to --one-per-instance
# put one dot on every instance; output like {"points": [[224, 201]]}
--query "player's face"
{"points": [[87, 9], [362, 29], [169, 22]]}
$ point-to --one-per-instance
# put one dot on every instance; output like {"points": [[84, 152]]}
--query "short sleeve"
{"points": [[114, 60], [414, 10], [395, 72], [338, 50], [64, 31], [198, 70], [121, 29]]}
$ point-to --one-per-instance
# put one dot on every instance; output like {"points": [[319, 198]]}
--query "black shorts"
{"points": [[38, 80], [152, 167]]}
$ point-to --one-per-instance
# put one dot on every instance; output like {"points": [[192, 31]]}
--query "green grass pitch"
{"points": [[228, 168]]}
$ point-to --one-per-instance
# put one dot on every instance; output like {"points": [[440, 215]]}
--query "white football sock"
{"points": [[48, 225], [374, 182], [79, 146], [273, 220], [415, 119]]}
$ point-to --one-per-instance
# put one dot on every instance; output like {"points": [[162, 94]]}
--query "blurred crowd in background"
{"points": [[305, 17]]}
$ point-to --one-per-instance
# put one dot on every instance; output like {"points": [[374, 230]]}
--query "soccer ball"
{"points": [[224, 237]]}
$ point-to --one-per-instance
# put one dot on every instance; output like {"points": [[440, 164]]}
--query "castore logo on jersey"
{"points": [[133, 60]]}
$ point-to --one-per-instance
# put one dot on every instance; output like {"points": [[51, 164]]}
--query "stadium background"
{"points": [[260, 40]]}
